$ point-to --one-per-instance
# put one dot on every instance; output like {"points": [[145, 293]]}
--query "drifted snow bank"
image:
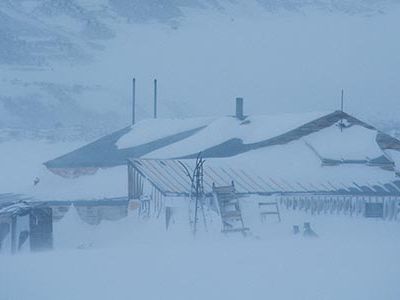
{"points": [[134, 258], [72, 232]]}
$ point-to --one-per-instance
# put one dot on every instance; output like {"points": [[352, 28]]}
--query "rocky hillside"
{"points": [[68, 63]]}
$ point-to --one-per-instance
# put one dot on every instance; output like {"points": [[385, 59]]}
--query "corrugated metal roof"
{"points": [[170, 178]]}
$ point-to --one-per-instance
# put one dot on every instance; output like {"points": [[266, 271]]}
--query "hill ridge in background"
{"points": [[68, 64]]}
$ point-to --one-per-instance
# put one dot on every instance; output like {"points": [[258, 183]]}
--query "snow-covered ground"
{"points": [[132, 259]]}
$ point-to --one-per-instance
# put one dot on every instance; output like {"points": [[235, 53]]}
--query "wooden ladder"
{"points": [[229, 209], [269, 208]]}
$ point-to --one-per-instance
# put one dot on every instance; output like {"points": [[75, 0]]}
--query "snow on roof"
{"points": [[198, 134], [104, 152], [18, 208], [394, 156], [150, 130], [227, 137], [104, 184], [251, 130], [295, 162], [298, 150], [353, 143]]}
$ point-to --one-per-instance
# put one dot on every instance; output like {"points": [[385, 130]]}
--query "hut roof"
{"points": [[229, 136]]}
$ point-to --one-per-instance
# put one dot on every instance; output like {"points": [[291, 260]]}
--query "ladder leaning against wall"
{"points": [[229, 209]]}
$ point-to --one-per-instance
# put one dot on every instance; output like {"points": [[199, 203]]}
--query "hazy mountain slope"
{"points": [[346, 6], [68, 63]]}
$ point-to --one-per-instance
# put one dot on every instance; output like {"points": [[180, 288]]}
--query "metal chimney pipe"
{"points": [[239, 108], [342, 101], [133, 100], [155, 98]]}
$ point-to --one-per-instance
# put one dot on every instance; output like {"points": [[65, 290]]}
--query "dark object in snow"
{"points": [[308, 232], [23, 236], [41, 228], [296, 229], [36, 180], [4, 230], [26, 223], [168, 215]]}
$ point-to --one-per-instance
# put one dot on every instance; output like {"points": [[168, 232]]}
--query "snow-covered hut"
{"points": [[291, 154]]}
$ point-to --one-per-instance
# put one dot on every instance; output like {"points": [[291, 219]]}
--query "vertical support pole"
{"points": [[341, 109], [135, 185], [133, 100], [155, 98], [13, 234]]}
